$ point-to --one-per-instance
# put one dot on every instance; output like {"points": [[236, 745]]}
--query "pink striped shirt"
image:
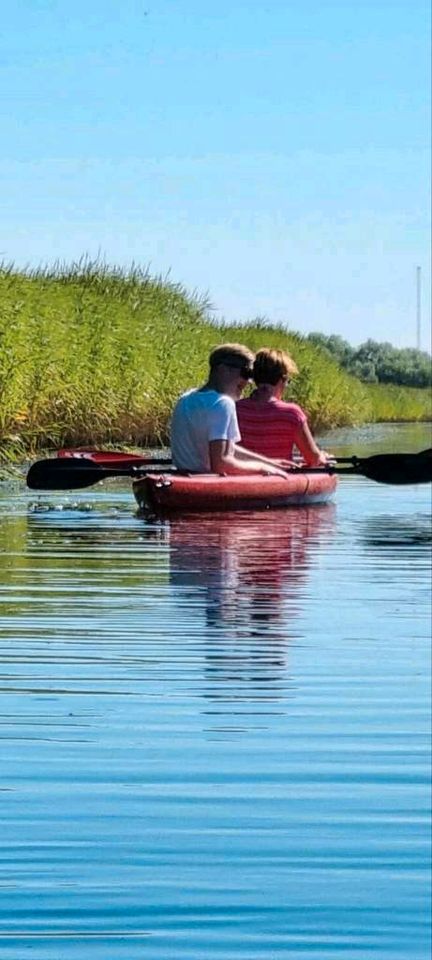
{"points": [[269, 427]]}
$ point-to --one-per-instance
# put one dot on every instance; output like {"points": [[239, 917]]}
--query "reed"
{"points": [[390, 403], [93, 354]]}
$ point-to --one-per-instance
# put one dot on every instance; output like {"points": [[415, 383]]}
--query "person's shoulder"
{"points": [[187, 395], [214, 399], [293, 411], [222, 406], [225, 401], [184, 402], [250, 401]]}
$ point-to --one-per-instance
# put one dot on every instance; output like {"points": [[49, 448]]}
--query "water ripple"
{"points": [[215, 732]]}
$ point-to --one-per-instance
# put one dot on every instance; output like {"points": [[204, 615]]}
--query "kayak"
{"points": [[177, 493], [159, 493]]}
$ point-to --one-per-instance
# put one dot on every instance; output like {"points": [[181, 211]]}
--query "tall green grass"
{"points": [[91, 354], [391, 403]]}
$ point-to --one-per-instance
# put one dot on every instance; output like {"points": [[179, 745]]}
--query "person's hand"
{"points": [[274, 472], [325, 459], [289, 464]]}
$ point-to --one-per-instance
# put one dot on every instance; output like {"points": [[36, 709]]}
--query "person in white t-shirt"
{"points": [[204, 430]]}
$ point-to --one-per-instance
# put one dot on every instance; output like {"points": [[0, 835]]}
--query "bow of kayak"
{"points": [[167, 493]]}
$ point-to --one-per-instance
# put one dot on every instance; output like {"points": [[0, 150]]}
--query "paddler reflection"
{"points": [[247, 573], [248, 568]]}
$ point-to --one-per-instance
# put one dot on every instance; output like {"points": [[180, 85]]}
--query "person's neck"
{"points": [[220, 386], [268, 391], [211, 385]]}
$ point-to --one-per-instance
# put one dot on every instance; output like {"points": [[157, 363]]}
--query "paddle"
{"points": [[394, 468], [70, 474]]}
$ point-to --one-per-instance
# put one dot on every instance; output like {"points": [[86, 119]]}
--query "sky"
{"points": [[273, 156]]}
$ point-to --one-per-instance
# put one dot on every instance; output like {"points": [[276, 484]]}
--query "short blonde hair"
{"points": [[271, 365], [228, 352]]}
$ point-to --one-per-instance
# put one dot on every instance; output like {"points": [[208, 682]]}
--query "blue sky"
{"points": [[273, 155]]}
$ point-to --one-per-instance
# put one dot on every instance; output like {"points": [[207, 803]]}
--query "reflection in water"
{"points": [[398, 549], [234, 585], [248, 565], [248, 573], [390, 532], [164, 778]]}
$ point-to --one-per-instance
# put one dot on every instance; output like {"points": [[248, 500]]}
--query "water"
{"points": [[215, 732]]}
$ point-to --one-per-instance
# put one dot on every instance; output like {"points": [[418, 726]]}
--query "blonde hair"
{"points": [[271, 365], [227, 352]]}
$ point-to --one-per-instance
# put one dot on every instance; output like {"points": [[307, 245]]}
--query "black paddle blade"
{"points": [[70, 474], [396, 468]]}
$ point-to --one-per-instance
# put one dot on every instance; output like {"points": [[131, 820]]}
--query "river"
{"points": [[215, 732]]}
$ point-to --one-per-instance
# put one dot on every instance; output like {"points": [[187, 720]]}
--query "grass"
{"points": [[391, 403], [92, 354]]}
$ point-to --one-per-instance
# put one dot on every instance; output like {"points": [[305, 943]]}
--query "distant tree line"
{"points": [[375, 362]]}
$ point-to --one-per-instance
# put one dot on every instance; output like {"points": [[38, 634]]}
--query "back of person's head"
{"points": [[270, 366], [233, 354]]}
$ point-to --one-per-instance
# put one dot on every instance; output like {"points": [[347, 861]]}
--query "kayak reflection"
{"points": [[249, 567], [248, 574]]}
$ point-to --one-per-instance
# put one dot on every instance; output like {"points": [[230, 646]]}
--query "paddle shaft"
{"points": [[113, 459], [70, 474]]}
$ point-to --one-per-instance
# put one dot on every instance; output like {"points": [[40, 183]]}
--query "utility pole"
{"points": [[418, 287]]}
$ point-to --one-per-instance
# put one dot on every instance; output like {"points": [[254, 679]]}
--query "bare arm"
{"points": [[244, 454], [227, 457], [309, 450]]}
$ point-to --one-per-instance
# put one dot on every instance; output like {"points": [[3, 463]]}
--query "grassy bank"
{"points": [[93, 355], [393, 404]]}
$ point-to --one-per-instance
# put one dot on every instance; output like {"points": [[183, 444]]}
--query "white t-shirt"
{"points": [[199, 417]]}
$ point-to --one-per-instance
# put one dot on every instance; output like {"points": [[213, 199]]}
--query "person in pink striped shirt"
{"points": [[270, 426]]}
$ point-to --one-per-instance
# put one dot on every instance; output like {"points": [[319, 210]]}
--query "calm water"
{"points": [[215, 732]]}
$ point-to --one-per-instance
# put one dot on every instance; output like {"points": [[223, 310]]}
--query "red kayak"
{"points": [[177, 493], [172, 493]]}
